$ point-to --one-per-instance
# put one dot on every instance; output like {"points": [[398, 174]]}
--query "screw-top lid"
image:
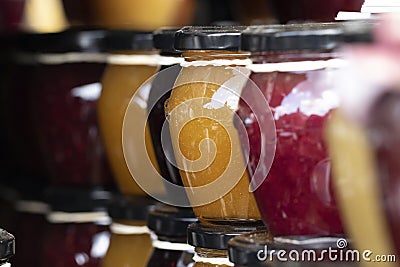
{"points": [[292, 37], [244, 250], [126, 40], [212, 236], [68, 199], [170, 223], [209, 38], [131, 208], [164, 39], [360, 31], [71, 40], [7, 246]]}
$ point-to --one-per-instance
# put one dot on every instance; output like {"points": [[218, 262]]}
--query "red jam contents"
{"points": [[64, 103], [75, 244], [296, 197]]}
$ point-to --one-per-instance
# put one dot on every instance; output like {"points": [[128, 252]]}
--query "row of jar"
{"points": [[229, 109], [48, 16]]}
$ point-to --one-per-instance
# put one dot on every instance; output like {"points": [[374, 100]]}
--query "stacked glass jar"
{"points": [[77, 231], [132, 62], [200, 112], [130, 243], [363, 140], [285, 108]]}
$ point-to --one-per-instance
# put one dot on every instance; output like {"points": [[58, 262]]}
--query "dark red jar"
{"points": [[30, 224], [64, 94], [314, 10], [293, 67], [11, 13], [77, 234]]}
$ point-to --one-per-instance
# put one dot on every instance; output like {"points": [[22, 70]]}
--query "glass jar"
{"points": [[135, 14], [30, 224], [206, 146], [130, 243], [170, 224], [126, 72], [211, 242], [77, 234], [293, 70], [7, 247], [11, 13], [28, 167], [362, 139], [161, 86], [64, 113], [260, 249]]}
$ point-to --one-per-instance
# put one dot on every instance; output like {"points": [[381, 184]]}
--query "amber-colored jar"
{"points": [[170, 224], [201, 108], [126, 71], [77, 234], [63, 103], [7, 247], [136, 14], [211, 242], [130, 243]]}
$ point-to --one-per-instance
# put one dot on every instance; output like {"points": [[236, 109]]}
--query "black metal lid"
{"points": [[292, 37], [164, 39], [243, 250], [68, 199], [131, 208], [127, 40], [209, 38], [170, 222], [7, 246], [360, 31], [213, 236], [71, 40]]}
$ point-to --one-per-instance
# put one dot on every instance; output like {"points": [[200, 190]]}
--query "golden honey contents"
{"points": [[128, 250], [120, 82], [357, 188], [201, 129], [142, 15]]}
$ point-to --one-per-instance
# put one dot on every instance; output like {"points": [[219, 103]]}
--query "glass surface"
{"points": [[128, 250], [63, 104], [134, 14], [296, 197], [206, 144], [120, 83], [75, 244]]}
